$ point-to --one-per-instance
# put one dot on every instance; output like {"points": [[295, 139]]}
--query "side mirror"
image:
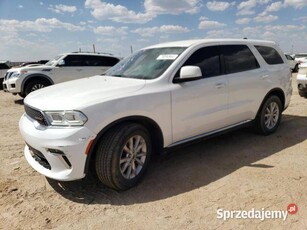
{"points": [[189, 73], [61, 63]]}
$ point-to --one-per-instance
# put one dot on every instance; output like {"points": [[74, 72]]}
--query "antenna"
{"points": [[94, 50]]}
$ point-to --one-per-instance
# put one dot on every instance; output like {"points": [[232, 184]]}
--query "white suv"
{"points": [[4, 67], [160, 97], [65, 67]]}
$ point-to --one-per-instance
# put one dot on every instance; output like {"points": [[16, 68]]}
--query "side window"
{"points": [[3, 66], [238, 58], [208, 59], [91, 60], [110, 61], [270, 55], [74, 60]]}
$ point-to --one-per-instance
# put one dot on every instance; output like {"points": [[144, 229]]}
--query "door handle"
{"points": [[219, 85], [79, 69]]}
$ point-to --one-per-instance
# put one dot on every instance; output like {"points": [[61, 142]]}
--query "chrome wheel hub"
{"points": [[37, 86], [133, 157], [271, 115]]}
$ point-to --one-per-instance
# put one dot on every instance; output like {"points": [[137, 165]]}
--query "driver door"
{"points": [[200, 106], [72, 69]]}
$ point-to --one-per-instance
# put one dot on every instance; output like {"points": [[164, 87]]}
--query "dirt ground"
{"points": [[182, 190]]}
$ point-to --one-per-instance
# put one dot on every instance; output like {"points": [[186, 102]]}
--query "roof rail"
{"points": [[89, 52]]}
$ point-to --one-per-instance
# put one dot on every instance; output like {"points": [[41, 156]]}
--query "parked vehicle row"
{"points": [[294, 65], [160, 97], [4, 67], [302, 80], [301, 57], [65, 67]]}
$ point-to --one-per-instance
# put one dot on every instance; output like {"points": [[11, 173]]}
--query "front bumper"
{"points": [[57, 153], [12, 85]]}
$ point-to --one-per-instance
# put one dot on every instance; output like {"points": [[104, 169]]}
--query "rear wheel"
{"points": [[123, 156], [35, 85], [269, 116]]}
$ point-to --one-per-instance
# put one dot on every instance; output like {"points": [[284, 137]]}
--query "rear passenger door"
{"points": [[95, 65], [200, 106], [245, 82]]}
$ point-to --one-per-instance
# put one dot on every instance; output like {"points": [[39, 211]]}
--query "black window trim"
{"points": [[222, 68], [223, 59], [266, 46]]}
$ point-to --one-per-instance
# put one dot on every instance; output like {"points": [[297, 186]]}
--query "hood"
{"points": [[78, 94], [33, 68]]}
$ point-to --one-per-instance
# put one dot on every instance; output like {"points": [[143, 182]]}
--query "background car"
{"points": [[4, 66], [294, 65], [302, 80], [65, 67], [301, 57]]}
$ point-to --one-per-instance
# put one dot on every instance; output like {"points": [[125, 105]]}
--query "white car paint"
{"points": [[301, 80], [182, 111], [17, 78]]}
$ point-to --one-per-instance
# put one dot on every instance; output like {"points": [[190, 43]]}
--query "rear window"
{"points": [[270, 55], [238, 58]]}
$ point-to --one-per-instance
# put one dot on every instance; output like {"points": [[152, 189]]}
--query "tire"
{"points": [[22, 95], [269, 116], [35, 85], [113, 161]]}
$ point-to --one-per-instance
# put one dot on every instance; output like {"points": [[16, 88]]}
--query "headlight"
{"points": [[66, 118], [15, 74]]}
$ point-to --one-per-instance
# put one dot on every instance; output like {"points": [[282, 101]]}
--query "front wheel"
{"points": [[35, 85], [123, 156], [269, 116]]}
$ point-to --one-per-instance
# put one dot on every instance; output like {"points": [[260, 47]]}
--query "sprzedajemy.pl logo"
{"points": [[261, 214]]}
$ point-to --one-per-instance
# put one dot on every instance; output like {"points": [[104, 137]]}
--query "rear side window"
{"points": [[208, 59], [270, 55], [91, 60], [238, 58]]}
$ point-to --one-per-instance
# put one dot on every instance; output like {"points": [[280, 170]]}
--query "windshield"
{"points": [[54, 60], [146, 64]]}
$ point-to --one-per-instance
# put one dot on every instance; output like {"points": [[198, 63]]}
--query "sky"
{"points": [[32, 30]]}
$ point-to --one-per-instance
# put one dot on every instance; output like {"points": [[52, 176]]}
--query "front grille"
{"points": [[7, 75], [36, 115], [39, 157]]}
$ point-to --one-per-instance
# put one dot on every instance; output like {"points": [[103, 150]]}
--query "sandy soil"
{"points": [[182, 190]]}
